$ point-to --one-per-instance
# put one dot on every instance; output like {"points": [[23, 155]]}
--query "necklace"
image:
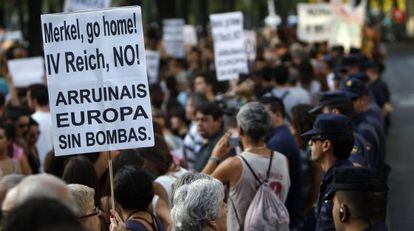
{"points": [[256, 148]]}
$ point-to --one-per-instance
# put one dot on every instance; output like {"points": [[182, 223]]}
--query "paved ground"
{"points": [[400, 154]]}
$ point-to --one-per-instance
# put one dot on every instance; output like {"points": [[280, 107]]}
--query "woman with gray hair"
{"points": [[199, 206], [87, 213]]}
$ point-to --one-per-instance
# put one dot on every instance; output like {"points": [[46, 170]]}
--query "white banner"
{"points": [[173, 37], [190, 35], [314, 22], [97, 80], [229, 52], [347, 24], [250, 44], [22, 75], [77, 5], [153, 64]]}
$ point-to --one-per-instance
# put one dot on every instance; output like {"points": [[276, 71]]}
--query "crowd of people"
{"points": [[303, 133]]}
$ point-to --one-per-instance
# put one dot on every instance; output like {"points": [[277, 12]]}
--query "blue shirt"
{"points": [[280, 139], [377, 227], [324, 219]]}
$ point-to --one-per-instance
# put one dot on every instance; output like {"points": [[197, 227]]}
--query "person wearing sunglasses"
{"points": [[331, 140], [87, 213]]}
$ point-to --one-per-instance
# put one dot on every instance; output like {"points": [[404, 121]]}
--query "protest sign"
{"points": [[190, 35], [346, 27], [229, 52], [23, 76], [314, 22], [250, 44], [173, 37], [153, 64], [77, 5], [97, 80]]}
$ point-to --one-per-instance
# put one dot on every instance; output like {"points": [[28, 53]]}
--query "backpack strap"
{"points": [[251, 169], [241, 225], [269, 168], [254, 174]]}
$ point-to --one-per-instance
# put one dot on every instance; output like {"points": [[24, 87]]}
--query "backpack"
{"points": [[266, 211]]}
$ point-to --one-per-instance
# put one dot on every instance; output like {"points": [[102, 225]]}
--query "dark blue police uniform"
{"points": [[329, 127], [324, 219]]}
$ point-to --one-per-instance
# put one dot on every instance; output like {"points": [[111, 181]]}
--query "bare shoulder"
{"points": [[229, 171]]}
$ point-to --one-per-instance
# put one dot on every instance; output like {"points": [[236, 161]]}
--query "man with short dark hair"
{"points": [[280, 139], [38, 100], [360, 200], [331, 140], [209, 119], [204, 84]]}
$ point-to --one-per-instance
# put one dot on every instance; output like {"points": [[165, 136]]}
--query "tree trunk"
{"points": [[34, 27]]}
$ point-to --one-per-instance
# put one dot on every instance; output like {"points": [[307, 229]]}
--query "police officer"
{"points": [[359, 200], [331, 140], [370, 128], [336, 102]]}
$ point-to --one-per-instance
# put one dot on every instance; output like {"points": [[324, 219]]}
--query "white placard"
{"points": [[190, 35], [229, 52], [346, 29], [77, 5], [97, 80], [153, 64], [314, 22], [250, 44], [27, 71], [173, 37]]}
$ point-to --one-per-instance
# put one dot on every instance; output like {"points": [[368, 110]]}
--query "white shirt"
{"points": [[167, 182], [45, 142]]}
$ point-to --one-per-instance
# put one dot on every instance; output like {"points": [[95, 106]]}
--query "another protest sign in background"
{"points": [[346, 26], [229, 51], [173, 37], [314, 22], [77, 5], [23, 76], [153, 64], [97, 80]]}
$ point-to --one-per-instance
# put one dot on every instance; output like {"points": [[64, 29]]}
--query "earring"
{"points": [[342, 213]]}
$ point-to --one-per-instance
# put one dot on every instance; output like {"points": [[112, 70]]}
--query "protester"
{"points": [[253, 122], [31, 139], [209, 119], [87, 213], [79, 170], [280, 139], [40, 214], [38, 101], [8, 164], [193, 140], [38, 186], [8, 182], [331, 140], [134, 200], [199, 206], [359, 200]]}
